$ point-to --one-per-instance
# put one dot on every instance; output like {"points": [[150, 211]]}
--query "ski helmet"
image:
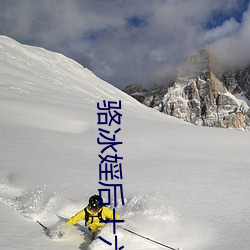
{"points": [[94, 202]]}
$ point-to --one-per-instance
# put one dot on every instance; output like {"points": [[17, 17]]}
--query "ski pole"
{"points": [[45, 228], [159, 243]]}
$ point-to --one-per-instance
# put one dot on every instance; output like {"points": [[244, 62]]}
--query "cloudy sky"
{"points": [[131, 41]]}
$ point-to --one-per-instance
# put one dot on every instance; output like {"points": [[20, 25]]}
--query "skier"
{"points": [[92, 214]]}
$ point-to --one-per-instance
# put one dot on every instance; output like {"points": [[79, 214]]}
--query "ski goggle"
{"points": [[94, 207]]}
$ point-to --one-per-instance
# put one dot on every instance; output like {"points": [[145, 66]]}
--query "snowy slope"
{"points": [[185, 186]]}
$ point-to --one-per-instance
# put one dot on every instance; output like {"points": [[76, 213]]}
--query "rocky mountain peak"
{"points": [[196, 64], [200, 96]]}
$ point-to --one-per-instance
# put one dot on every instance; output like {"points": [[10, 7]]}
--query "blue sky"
{"points": [[132, 41], [218, 17]]}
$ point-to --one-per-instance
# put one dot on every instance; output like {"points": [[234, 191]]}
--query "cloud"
{"points": [[233, 49], [228, 28], [124, 42]]}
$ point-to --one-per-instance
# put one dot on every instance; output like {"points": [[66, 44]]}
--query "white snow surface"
{"points": [[185, 186]]}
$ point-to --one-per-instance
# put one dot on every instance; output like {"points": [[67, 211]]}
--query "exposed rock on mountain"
{"points": [[137, 91], [199, 96], [237, 81]]}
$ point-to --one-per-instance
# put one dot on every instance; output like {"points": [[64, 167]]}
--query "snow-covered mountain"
{"points": [[185, 186], [201, 95]]}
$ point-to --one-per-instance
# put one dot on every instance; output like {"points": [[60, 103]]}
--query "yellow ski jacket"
{"points": [[93, 222]]}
